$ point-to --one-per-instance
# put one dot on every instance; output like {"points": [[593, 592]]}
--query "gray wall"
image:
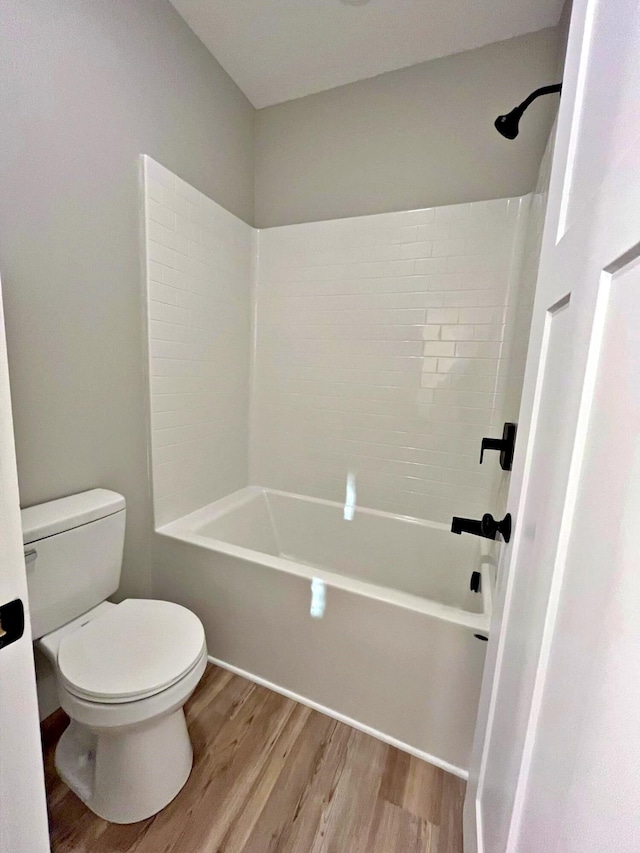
{"points": [[86, 86], [413, 138]]}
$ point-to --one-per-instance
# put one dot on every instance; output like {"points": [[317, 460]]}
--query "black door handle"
{"points": [[11, 622], [505, 445]]}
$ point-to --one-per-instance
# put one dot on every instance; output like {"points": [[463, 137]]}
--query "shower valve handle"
{"points": [[505, 445]]}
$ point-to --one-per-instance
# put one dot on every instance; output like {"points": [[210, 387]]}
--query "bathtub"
{"points": [[370, 620]]}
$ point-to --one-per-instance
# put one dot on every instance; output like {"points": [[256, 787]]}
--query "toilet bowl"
{"points": [[123, 671]]}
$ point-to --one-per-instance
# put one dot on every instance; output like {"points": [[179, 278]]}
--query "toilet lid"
{"points": [[137, 649]]}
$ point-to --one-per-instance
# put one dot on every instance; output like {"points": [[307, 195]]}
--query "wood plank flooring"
{"points": [[273, 776]]}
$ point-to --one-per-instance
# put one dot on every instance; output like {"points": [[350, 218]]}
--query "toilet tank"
{"points": [[73, 554]]}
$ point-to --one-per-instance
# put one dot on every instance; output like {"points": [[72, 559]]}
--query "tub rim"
{"points": [[181, 529]]}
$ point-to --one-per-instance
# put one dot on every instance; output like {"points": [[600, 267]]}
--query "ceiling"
{"points": [[276, 50]]}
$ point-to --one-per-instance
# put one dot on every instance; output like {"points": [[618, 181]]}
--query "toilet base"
{"points": [[129, 774]]}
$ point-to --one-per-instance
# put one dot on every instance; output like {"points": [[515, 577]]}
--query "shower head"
{"points": [[507, 125]]}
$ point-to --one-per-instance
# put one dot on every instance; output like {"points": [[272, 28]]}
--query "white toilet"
{"points": [[124, 671]]}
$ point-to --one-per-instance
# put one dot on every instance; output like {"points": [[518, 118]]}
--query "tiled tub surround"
{"points": [[199, 261], [379, 350], [376, 350], [380, 345]]}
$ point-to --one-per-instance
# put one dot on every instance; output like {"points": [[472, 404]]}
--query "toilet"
{"points": [[124, 671]]}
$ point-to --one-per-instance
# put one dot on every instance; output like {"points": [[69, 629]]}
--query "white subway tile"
{"points": [[442, 315], [458, 333], [174, 202], [161, 293], [429, 365], [479, 315], [154, 270], [154, 191], [169, 350], [475, 298], [406, 234], [430, 266], [492, 332], [478, 263], [160, 214], [478, 350], [189, 229], [444, 248], [175, 278], [431, 332], [439, 348], [174, 314], [161, 331], [416, 250], [434, 231], [161, 254]]}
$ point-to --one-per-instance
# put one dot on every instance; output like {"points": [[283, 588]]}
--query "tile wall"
{"points": [[199, 281], [380, 347]]}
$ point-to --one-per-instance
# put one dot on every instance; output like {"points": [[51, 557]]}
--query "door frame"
{"points": [[23, 811], [563, 138]]}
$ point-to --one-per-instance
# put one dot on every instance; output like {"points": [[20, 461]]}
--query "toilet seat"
{"points": [[135, 650]]}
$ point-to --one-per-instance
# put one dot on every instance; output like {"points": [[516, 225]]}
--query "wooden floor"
{"points": [[272, 775]]}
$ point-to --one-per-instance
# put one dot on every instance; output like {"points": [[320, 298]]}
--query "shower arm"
{"points": [[544, 90], [508, 124]]}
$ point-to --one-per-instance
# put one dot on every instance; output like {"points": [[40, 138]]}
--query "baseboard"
{"points": [[342, 718]]}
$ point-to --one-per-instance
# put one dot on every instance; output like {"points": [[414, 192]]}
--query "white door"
{"points": [[556, 763], [23, 815]]}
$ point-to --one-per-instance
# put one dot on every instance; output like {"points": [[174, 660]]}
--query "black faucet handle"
{"points": [[489, 444], [505, 445]]}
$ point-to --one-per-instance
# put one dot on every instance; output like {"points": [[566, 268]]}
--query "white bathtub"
{"points": [[395, 652]]}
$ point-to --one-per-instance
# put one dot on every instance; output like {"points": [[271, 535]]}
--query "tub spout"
{"points": [[466, 525], [487, 527]]}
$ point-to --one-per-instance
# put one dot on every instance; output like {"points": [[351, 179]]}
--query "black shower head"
{"points": [[507, 124]]}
